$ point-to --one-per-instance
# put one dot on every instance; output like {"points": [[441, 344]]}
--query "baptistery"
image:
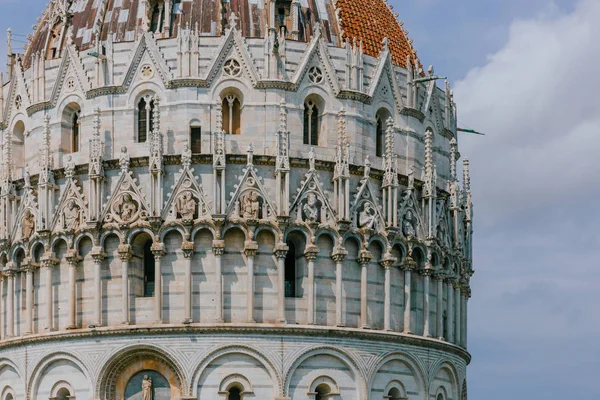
{"points": [[230, 199]]}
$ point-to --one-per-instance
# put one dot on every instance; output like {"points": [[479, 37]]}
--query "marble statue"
{"points": [[27, 224], [407, 225], [368, 217], [128, 208], [27, 176], [311, 208], [250, 205], [186, 206], [71, 215], [186, 155], [70, 167], [124, 159], [147, 388]]}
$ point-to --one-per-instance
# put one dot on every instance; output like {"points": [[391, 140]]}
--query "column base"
{"points": [[365, 326], [187, 321], [125, 323], [251, 321], [71, 327], [219, 320], [282, 321], [157, 322], [408, 332], [94, 326], [441, 338], [340, 325]]}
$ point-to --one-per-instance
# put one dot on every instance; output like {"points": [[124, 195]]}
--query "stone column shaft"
{"points": [[450, 313], [364, 259], [311, 256], [280, 253], [457, 320], [218, 250], [387, 316], [72, 259], [251, 248], [338, 256], [98, 291], [158, 250], [10, 305], [408, 266], [29, 301], [440, 307], [426, 308], [49, 306], [188, 252], [125, 256]]}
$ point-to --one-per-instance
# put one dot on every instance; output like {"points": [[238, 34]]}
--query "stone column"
{"points": [[10, 298], [338, 256], [47, 261], [450, 313], [465, 297], [73, 259], [364, 259], [457, 320], [408, 266], [311, 255], [29, 268], [439, 277], [158, 249], [388, 263], [98, 255], [280, 253], [251, 248], [188, 251], [426, 308], [124, 251], [218, 250]]}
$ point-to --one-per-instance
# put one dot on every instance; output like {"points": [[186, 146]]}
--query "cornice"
{"points": [[239, 329]]}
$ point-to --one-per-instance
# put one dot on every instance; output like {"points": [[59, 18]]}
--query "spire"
{"points": [[342, 168], [283, 140], [156, 142], [466, 176], [429, 178], [45, 160], [219, 147], [390, 176], [453, 154], [96, 147], [7, 171]]}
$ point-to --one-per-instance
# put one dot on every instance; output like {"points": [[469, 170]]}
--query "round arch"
{"points": [[261, 358], [126, 362], [451, 369], [47, 361], [412, 363]]}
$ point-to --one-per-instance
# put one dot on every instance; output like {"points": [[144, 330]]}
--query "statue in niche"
{"points": [[311, 159], [411, 178], [71, 215], [367, 218], [250, 205], [27, 224], [186, 206], [311, 208], [147, 388], [27, 176], [70, 167], [186, 156], [128, 208], [408, 227], [124, 159]]}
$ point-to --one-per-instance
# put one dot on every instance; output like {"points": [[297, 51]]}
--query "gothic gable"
{"points": [[443, 226], [410, 216], [71, 76], [127, 206], [317, 55], [365, 211], [27, 218], [384, 83], [250, 200], [311, 203], [147, 60], [186, 201], [71, 211]]}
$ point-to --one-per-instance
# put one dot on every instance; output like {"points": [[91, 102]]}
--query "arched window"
{"points": [[232, 115], [381, 121], [445, 324], [380, 137], [394, 394], [53, 49], [70, 128], [63, 394], [9, 397], [18, 146], [195, 138], [440, 397], [75, 132], [311, 123], [234, 393], [322, 391], [145, 113], [290, 271], [148, 269], [155, 22]]}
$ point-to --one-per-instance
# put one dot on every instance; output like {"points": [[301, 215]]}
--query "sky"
{"points": [[526, 73]]}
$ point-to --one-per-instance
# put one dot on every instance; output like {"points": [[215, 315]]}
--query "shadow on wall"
{"points": [[160, 388]]}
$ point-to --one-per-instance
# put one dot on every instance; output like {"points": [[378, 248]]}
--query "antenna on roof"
{"points": [[469, 131]]}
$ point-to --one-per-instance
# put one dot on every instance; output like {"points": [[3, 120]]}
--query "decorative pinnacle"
{"points": [[453, 153], [282, 116], [250, 152], [466, 175]]}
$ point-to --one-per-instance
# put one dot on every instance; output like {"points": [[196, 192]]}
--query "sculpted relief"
{"points": [[27, 224], [185, 206], [367, 218]]}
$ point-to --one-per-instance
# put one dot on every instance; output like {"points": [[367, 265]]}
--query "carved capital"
{"points": [[427, 271], [218, 247], [250, 248], [388, 261], [311, 252], [188, 249], [364, 258], [48, 260], [124, 251], [72, 257], [98, 254], [158, 249], [409, 264], [339, 254], [281, 250]]}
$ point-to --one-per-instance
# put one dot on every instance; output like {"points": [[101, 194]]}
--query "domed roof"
{"points": [[369, 21]]}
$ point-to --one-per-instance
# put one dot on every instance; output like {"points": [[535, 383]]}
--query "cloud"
{"points": [[536, 180]]}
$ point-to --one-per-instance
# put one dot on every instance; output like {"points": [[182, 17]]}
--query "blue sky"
{"points": [[526, 73]]}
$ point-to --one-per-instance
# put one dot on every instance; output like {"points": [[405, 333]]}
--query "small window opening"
{"points": [[196, 139], [394, 394], [380, 137], [75, 132], [235, 393], [311, 123], [290, 271], [9, 397], [155, 22], [322, 391], [440, 397], [148, 269], [63, 394]]}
